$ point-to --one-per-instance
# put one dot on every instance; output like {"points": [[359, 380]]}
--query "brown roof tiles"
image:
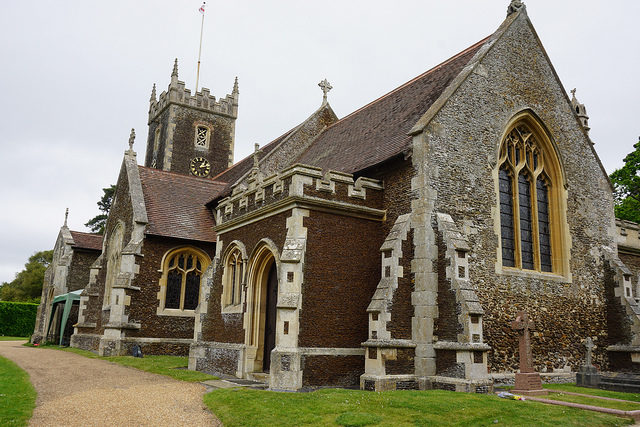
{"points": [[378, 131], [176, 204], [86, 240]]}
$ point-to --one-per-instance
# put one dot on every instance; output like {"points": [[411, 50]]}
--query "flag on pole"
{"points": [[201, 10]]}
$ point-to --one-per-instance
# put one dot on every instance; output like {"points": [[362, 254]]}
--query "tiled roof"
{"points": [[176, 204], [235, 172], [86, 240], [378, 131]]}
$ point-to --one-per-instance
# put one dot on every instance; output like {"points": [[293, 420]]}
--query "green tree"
{"points": [[626, 185], [98, 222], [27, 286]]}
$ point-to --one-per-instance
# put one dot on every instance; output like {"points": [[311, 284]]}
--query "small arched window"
{"points": [[182, 273], [234, 267], [529, 181], [114, 257]]}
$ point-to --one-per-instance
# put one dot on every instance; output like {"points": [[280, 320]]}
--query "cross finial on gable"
{"points": [[66, 216], [326, 87], [573, 92], [514, 6]]}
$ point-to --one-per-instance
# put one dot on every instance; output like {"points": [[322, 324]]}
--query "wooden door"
{"points": [[270, 317]]}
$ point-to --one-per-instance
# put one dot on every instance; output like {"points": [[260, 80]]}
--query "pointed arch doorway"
{"points": [[262, 297]]}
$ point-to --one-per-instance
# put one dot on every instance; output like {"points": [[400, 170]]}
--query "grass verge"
{"points": [[3, 338], [17, 395], [236, 407], [613, 404], [171, 366], [635, 397]]}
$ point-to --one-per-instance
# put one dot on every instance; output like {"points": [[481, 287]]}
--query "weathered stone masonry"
{"points": [[300, 210]]}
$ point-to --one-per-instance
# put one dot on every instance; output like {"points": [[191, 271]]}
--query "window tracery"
{"points": [[114, 257], [202, 136], [234, 269], [526, 179], [180, 283]]}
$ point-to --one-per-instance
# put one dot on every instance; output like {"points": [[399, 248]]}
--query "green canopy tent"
{"points": [[68, 300]]}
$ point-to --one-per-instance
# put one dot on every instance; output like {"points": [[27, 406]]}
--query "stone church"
{"points": [[388, 249]]}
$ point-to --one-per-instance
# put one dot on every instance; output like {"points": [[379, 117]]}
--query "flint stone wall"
{"points": [[462, 143], [180, 124], [145, 303], [78, 276], [228, 327]]}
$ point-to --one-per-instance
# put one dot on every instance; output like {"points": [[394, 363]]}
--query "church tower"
{"points": [[191, 134]]}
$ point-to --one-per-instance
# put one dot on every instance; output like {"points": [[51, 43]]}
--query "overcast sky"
{"points": [[76, 76]]}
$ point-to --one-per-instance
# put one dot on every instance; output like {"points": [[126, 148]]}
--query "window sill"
{"points": [[533, 274], [232, 309], [175, 312]]}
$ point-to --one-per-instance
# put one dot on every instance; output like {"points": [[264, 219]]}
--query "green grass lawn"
{"points": [[3, 338], [613, 404], [171, 366], [17, 395], [239, 407], [635, 397]]}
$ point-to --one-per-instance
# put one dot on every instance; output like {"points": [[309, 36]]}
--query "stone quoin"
{"points": [[388, 249]]}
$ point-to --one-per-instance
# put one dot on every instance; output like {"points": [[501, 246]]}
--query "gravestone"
{"points": [[587, 375], [527, 380]]}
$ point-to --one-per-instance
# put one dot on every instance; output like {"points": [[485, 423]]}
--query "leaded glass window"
{"points": [[506, 219], [543, 225], [234, 269], [183, 273], [524, 194]]}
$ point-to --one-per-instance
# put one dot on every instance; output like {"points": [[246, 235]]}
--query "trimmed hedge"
{"points": [[17, 319]]}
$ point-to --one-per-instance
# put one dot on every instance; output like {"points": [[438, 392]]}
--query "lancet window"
{"points": [[525, 185], [233, 277]]}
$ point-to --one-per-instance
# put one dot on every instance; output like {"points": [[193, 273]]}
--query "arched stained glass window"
{"points": [[525, 187], [182, 273], [233, 277]]}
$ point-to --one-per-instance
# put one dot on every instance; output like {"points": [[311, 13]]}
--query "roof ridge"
{"points": [[263, 147], [187, 177], [443, 63], [88, 234]]}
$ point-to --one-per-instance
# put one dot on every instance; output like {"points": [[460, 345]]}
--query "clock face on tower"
{"points": [[200, 166]]}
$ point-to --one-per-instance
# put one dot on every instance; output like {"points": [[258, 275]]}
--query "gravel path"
{"points": [[76, 391]]}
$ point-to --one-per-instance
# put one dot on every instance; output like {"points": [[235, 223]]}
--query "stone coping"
{"points": [[451, 345], [389, 343], [624, 348]]}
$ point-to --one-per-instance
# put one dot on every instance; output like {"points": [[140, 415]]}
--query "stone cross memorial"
{"points": [[588, 343], [527, 381], [587, 375]]}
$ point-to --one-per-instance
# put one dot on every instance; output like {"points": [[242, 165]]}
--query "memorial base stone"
{"points": [[529, 383], [588, 376]]}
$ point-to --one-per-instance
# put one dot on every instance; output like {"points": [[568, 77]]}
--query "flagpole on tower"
{"points": [[200, 48]]}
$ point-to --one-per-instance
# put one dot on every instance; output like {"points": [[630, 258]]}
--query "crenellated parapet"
{"points": [[305, 186], [177, 93]]}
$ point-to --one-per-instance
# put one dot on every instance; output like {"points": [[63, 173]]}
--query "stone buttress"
{"points": [[110, 322], [55, 282], [299, 196]]}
